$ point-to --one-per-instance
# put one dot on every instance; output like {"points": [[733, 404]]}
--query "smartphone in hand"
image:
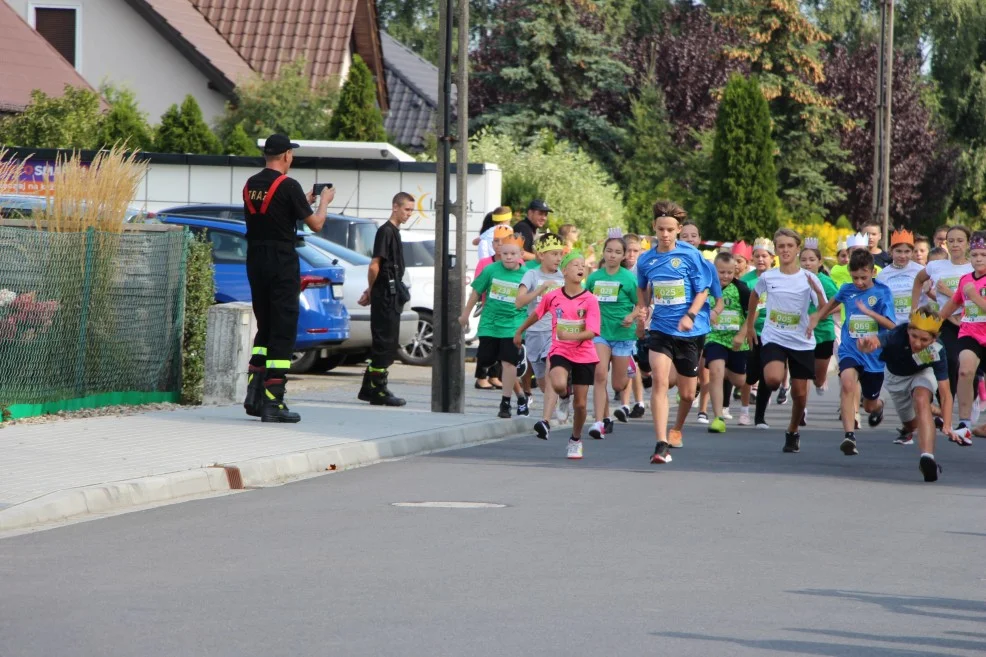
{"points": [[317, 189]]}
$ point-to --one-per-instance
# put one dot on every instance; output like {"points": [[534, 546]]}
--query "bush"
{"points": [[238, 142], [357, 117], [183, 130], [200, 294], [71, 120], [124, 123]]}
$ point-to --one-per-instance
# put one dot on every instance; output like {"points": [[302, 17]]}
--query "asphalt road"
{"points": [[732, 549]]}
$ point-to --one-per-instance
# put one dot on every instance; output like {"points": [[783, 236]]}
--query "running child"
{"points": [[725, 348], [575, 320], [486, 377], [500, 282], [763, 260], [616, 289], [900, 274], [638, 410], [922, 247], [811, 260], [869, 307]]}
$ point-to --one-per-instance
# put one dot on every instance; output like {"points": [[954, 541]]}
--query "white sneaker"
{"points": [[820, 390], [597, 432], [763, 426], [574, 449], [703, 418], [561, 411], [745, 420], [531, 400], [726, 415]]}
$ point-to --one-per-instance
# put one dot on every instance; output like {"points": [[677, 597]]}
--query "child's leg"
{"points": [[660, 365], [580, 406], [968, 364], [849, 380], [509, 378], [799, 399], [600, 397], [550, 398], [558, 378], [925, 421], [717, 374], [621, 382], [703, 386], [687, 388]]}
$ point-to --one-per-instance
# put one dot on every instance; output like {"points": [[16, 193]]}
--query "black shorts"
{"points": [[870, 383], [754, 370], [583, 374], [496, 350], [800, 364], [969, 343], [683, 352], [735, 360], [824, 350], [643, 354]]}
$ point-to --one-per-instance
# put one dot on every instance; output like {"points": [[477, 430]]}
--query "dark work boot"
{"points": [[275, 410], [254, 402], [365, 390], [380, 395]]}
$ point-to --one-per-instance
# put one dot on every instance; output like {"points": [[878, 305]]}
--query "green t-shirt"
{"points": [[730, 321], [501, 317], [825, 331], [617, 294], [750, 278]]}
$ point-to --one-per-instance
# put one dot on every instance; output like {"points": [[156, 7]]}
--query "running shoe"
{"points": [[848, 446], [904, 437], [703, 418], [929, 468], [782, 396], [792, 442], [745, 421], [562, 409], [574, 449], [876, 417], [662, 453], [616, 396], [504, 410], [726, 415], [542, 429], [762, 425], [717, 425], [622, 413], [820, 390], [674, 438], [963, 435], [598, 431], [522, 409], [608, 425], [531, 400], [939, 423], [638, 410]]}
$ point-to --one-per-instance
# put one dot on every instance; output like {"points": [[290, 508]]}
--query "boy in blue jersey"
{"points": [[673, 277], [870, 310]]}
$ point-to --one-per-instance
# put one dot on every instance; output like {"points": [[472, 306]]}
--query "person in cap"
{"points": [[273, 205], [537, 216], [499, 217]]}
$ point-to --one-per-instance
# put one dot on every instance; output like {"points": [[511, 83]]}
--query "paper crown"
{"points": [[859, 240], [515, 240], [503, 216], [811, 243], [901, 237], [549, 242], [922, 322], [743, 250], [977, 243], [841, 244], [764, 244], [500, 232], [614, 233]]}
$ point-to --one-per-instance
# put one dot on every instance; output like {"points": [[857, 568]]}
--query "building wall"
{"points": [[120, 47]]}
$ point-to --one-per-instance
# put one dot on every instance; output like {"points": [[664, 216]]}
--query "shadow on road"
{"points": [[808, 647], [912, 605]]}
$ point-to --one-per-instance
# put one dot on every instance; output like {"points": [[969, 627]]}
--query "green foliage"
{"points": [[124, 122], [743, 185], [843, 223], [238, 142], [200, 294], [183, 130], [577, 188], [69, 121], [651, 155], [357, 117], [286, 104]]}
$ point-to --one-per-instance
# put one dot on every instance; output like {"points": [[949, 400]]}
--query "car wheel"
{"points": [[420, 349], [328, 363], [302, 361]]}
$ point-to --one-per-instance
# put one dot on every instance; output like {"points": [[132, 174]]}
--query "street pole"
{"points": [[883, 125]]}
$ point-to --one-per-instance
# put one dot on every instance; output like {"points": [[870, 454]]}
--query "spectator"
{"points": [[940, 237], [527, 229], [874, 232], [569, 234], [499, 217]]}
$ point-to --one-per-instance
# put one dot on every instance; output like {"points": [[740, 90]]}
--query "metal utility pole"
{"points": [[448, 368], [882, 124]]}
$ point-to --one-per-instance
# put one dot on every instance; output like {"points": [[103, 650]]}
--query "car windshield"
{"points": [[337, 251], [419, 254], [363, 235], [314, 256]]}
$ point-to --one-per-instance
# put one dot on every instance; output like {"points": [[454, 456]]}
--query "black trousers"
{"points": [[275, 283], [385, 326], [950, 340]]}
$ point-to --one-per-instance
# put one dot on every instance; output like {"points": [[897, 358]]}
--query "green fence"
{"points": [[89, 319]]}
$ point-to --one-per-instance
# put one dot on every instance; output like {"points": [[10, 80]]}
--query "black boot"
{"points": [[377, 392], [254, 402], [275, 410], [365, 390]]}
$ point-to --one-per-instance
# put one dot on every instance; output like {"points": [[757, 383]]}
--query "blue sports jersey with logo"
{"points": [[675, 278], [879, 299]]}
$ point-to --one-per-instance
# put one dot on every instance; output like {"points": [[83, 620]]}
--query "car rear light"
{"points": [[336, 291], [308, 281], [317, 330]]}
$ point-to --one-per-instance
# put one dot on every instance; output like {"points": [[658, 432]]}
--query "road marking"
{"points": [[450, 505]]}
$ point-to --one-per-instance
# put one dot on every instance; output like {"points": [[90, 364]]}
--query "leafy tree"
{"points": [[183, 130], [287, 104], [357, 117], [71, 120], [238, 142], [415, 23], [743, 185], [124, 122]]}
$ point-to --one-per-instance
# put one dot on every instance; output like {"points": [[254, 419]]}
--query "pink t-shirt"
{"points": [[574, 314], [973, 317]]}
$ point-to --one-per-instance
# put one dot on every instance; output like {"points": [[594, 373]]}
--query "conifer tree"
{"points": [[124, 122], [183, 130], [357, 117]]}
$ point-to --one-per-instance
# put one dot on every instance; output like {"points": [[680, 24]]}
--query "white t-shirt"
{"points": [[532, 280], [944, 270], [485, 247], [788, 298], [901, 284]]}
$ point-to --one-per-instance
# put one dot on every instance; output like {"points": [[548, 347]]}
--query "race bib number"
{"points": [[902, 304], [669, 293], [928, 355], [729, 320], [503, 290], [608, 291], [551, 288], [571, 326], [862, 326], [762, 302], [973, 313], [784, 321]]}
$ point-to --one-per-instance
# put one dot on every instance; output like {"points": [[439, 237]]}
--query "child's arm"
{"points": [[972, 294], [884, 322], [525, 296], [827, 309], [464, 317], [916, 288], [946, 311], [686, 323], [751, 316], [528, 323], [945, 392]]}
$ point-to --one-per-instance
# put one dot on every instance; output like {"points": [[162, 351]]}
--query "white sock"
{"points": [[745, 410], [930, 456]]}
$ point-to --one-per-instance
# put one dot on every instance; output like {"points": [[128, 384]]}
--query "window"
{"points": [[228, 248], [419, 254], [59, 27]]}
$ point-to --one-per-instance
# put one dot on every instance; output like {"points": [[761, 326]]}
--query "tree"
{"points": [[124, 122], [71, 120], [357, 117], [183, 130], [743, 185], [238, 142], [651, 154], [287, 104]]}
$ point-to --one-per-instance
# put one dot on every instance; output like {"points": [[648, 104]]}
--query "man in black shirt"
{"points": [[386, 296], [273, 206], [537, 216]]}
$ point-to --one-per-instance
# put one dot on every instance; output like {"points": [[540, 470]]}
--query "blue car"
{"points": [[323, 319]]}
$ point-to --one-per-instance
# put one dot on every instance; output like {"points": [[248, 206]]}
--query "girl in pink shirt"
{"points": [[575, 322]]}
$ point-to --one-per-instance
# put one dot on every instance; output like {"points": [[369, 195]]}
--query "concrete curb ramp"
{"points": [[119, 496]]}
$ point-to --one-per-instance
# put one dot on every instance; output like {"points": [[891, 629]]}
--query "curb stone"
{"points": [[255, 473]]}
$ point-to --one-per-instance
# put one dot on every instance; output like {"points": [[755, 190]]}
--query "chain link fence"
{"points": [[89, 319]]}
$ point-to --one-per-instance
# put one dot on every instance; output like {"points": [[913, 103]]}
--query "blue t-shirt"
{"points": [[715, 292], [879, 299], [675, 278]]}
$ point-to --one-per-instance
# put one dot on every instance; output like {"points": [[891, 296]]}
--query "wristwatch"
{"points": [[690, 315]]}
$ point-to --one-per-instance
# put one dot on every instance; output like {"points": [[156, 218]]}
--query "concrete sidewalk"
{"points": [[66, 469]]}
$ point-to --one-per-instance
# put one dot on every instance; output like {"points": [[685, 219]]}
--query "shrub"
{"points": [[200, 294], [357, 117], [183, 130]]}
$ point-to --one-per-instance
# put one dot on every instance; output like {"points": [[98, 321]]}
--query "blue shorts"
{"points": [[622, 348], [735, 360], [870, 383]]}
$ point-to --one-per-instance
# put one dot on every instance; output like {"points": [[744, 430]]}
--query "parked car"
{"points": [[323, 320], [22, 206]]}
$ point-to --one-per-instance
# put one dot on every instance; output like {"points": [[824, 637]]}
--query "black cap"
{"points": [[277, 144], [538, 204]]}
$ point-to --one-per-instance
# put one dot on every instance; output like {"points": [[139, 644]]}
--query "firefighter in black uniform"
{"points": [[274, 204], [386, 297]]}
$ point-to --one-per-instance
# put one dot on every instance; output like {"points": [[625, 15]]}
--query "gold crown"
{"points": [[499, 232], [765, 244], [923, 322], [515, 240], [902, 236], [549, 243]]}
